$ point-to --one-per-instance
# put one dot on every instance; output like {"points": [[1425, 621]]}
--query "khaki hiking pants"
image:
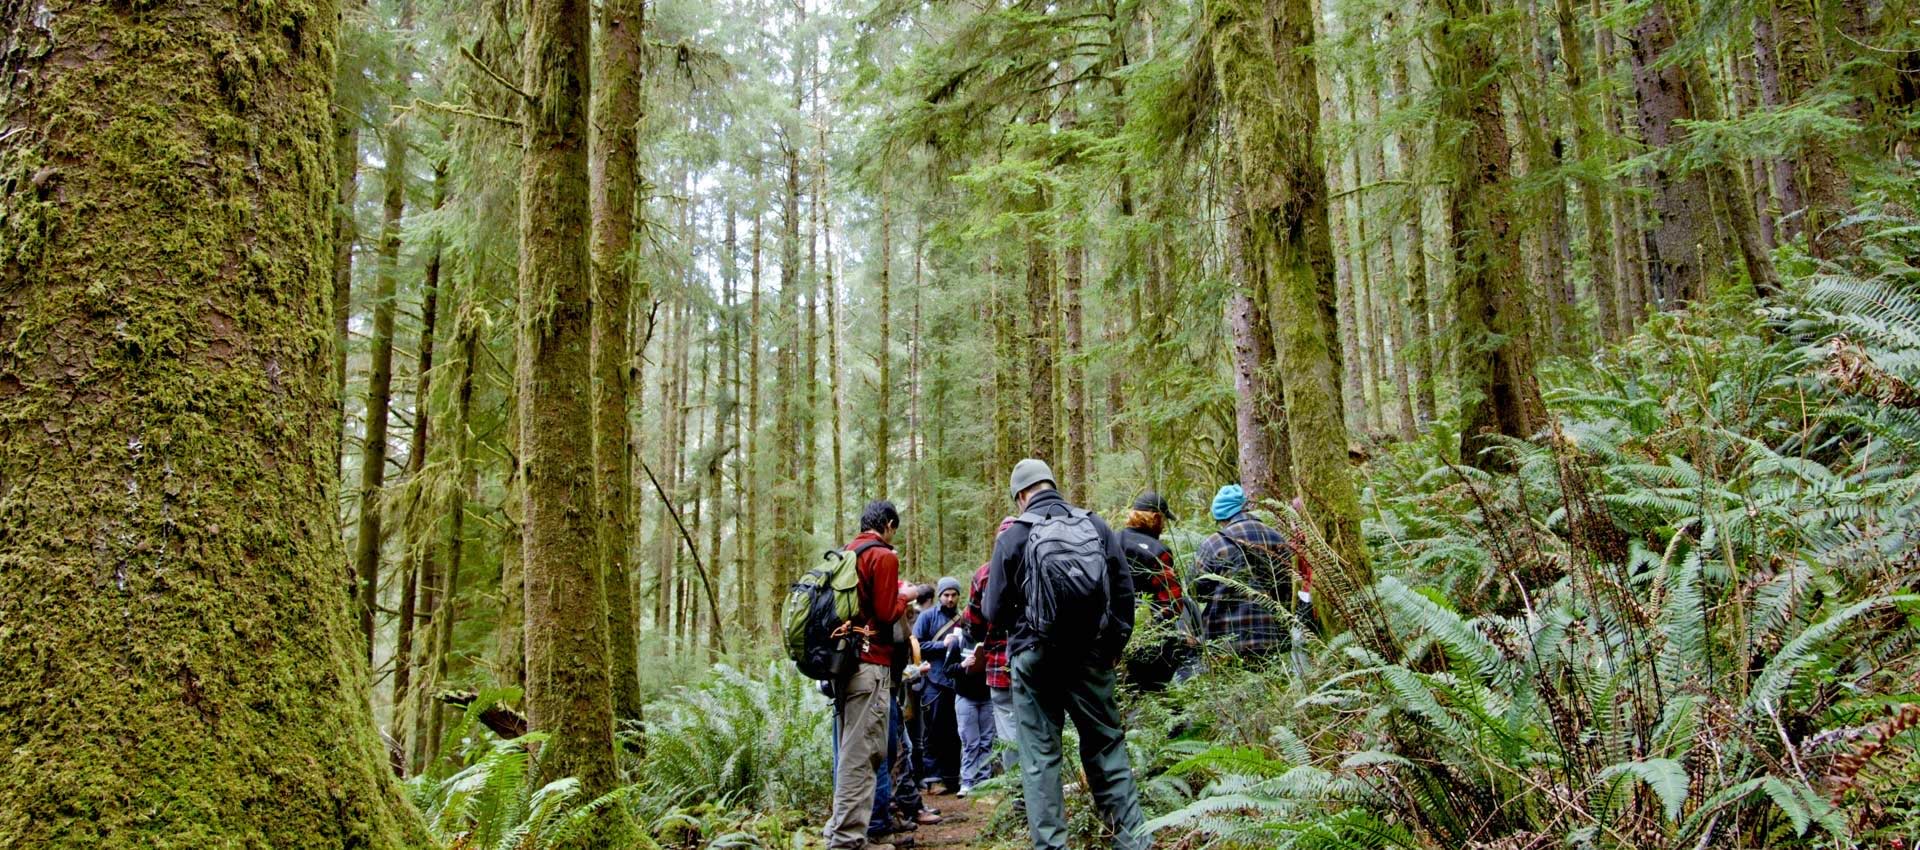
{"points": [[863, 749]]}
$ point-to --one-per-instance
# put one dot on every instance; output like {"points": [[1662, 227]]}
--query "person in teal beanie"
{"points": [[1245, 611], [1229, 502]]}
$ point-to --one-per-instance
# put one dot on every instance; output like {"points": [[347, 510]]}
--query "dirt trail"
{"points": [[962, 822]]}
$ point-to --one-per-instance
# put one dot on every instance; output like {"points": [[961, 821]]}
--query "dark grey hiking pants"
{"points": [[1045, 692]]}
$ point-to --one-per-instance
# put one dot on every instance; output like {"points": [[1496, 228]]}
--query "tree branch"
{"points": [[490, 72], [713, 602]]}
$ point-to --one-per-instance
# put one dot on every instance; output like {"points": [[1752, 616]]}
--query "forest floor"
{"points": [[963, 821]]}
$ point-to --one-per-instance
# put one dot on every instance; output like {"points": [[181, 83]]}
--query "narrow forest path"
{"points": [[963, 823]]}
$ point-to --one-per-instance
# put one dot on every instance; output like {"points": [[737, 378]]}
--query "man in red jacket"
{"points": [[866, 695]]}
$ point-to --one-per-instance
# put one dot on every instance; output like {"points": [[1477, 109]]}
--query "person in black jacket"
{"points": [[1056, 675], [1175, 633]]}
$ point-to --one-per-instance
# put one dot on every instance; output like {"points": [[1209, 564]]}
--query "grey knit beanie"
{"points": [[1027, 473]]}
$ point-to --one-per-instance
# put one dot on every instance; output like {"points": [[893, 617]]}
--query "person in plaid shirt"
{"points": [[1255, 557]]}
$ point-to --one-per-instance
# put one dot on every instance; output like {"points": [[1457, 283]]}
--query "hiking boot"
{"points": [[936, 789], [927, 817], [964, 791]]}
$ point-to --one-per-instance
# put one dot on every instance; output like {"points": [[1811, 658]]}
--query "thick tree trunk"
{"points": [[1785, 181], [569, 691], [1260, 419], [1420, 338], [181, 668], [1684, 233], [1041, 430], [373, 449], [883, 422], [1078, 475], [617, 109], [1262, 60], [510, 634], [1803, 64], [786, 507], [1498, 392]]}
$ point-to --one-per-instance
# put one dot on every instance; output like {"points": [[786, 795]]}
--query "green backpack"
{"points": [[817, 606]]}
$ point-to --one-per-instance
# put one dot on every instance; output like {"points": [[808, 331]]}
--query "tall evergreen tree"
{"points": [[182, 667]]}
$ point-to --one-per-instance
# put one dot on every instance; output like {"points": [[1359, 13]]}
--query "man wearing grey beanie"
{"points": [[1060, 580], [939, 726]]}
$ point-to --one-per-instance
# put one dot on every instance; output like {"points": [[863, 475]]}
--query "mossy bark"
{"points": [[615, 162], [1591, 173], [1684, 231], [1498, 392], [1266, 73], [569, 692], [181, 666], [423, 569]]}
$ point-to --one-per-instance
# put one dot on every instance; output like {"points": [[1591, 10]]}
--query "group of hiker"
{"points": [[927, 681]]}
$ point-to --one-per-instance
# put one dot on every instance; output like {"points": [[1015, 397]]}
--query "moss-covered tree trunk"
{"points": [[346, 161], [1498, 393], [1420, 346], [569, 692], [1590, 173], [1268, 85], [1260, 418], [614, 172], [181, 665], [1072, 279], [373, 449], [1683, 231], [444, 610], [423, 568], [1803, 64]]}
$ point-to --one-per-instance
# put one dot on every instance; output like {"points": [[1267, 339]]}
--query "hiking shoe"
{"points": [[936, 789], [964, 791], [904, 825], [927, 817]]}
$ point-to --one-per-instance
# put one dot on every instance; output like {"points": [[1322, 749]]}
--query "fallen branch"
{"points": [[504, 721]]}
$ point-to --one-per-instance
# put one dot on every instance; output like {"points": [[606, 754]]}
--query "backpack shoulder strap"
{"points": [[871, 544], [1029, 518]]}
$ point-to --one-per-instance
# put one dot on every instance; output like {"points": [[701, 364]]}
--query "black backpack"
{"points": [[1068, 600]]}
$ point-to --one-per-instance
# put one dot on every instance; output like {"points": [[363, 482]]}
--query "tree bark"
{"points": [[1260, 419], [1075, 374], [754, 606], [1588, 150], [422, 576], [883, 422], [1684, 229], [1267, 77], [1042, 432], [181, 668], [569, 690], [617, 109], [1803, 64], [1498, 393], [1420, 337], [373, 448], [446, 602], [1773, 95], [346, 161]]}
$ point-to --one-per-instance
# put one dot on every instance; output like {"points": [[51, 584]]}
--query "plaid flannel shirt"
{"points": [[1254, 554], [993, 641]]}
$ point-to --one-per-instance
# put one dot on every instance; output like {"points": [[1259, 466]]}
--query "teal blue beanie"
{"points": [[1229, 501]]}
